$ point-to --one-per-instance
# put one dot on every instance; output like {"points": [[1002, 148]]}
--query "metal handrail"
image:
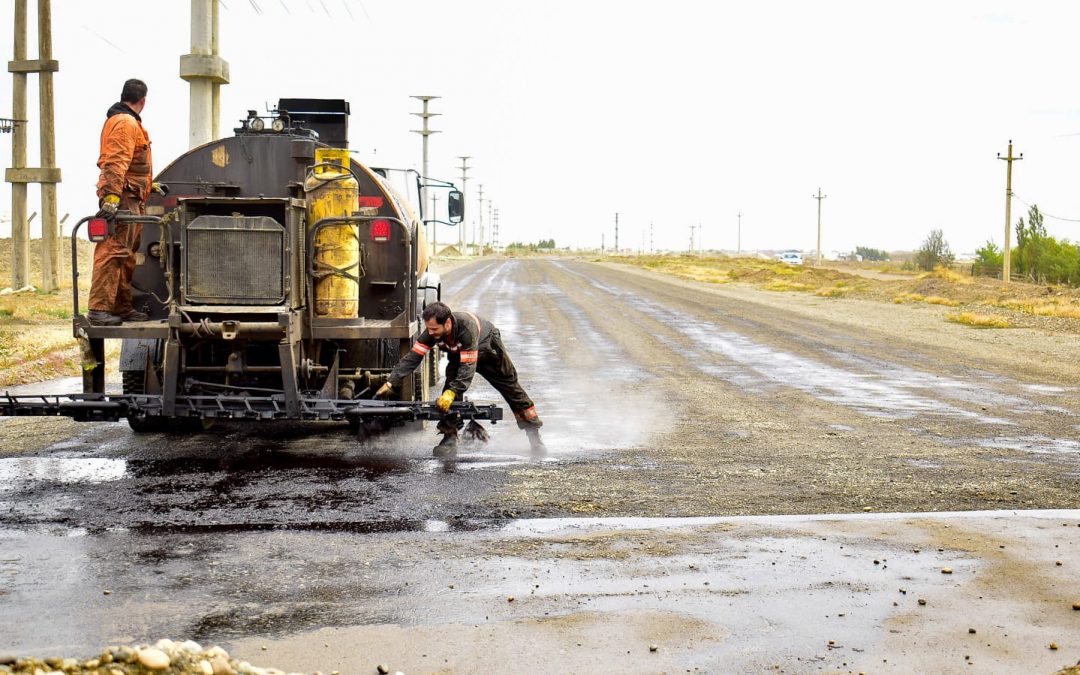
{"points": [[120, 218]]}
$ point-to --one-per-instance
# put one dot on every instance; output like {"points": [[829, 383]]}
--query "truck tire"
{"points": [[135, 383]]}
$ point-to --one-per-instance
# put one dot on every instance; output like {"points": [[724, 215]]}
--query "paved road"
{"points": [[659, 398]]}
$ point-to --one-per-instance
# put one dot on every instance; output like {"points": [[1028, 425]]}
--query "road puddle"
{"points": [[60, 470]]}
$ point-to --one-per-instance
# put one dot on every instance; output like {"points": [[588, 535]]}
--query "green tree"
{"points": [[1043, 258], [934, 252], [989, 255], [871, 253]]}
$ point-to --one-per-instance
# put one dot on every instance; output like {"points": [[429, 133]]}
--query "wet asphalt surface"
{"points": [[251, 531]]}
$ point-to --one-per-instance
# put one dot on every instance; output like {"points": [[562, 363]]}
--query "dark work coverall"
{"points": [[474, 346]]}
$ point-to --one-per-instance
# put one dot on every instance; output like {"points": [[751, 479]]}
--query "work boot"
{"points": [[536, 444], [135, 316], [447, 447], [96, 317]]}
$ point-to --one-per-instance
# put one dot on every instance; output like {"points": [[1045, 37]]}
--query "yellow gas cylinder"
{"points": [[332, 192]]}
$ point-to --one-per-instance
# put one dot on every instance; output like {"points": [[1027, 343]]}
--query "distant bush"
{"points": [[543, 244], [873, 254], [934, 252]]}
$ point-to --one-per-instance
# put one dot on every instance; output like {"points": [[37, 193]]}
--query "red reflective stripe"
{"points": [[421, 349], [529, 413], [469, 357]]}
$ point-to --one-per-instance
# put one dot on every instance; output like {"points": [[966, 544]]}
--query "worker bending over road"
{"points": [[473, 345]]}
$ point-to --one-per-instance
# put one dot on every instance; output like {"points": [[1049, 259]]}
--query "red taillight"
{"points": [[369, 202], [97, 229], [380, 230]]}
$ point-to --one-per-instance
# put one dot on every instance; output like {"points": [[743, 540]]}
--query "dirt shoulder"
{"points": [[973, 301]]}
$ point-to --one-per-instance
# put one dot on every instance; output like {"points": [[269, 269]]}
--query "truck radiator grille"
{"points": [[234, 260]]}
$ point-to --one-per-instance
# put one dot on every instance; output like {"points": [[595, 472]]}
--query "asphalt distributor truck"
{"points": [[283, 281]]}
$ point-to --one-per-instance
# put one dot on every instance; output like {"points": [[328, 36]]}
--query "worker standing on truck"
{"points": [[473, 345], [125, 182]]}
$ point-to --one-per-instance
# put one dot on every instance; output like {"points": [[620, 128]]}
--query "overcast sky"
{"points": [[675, 113]]}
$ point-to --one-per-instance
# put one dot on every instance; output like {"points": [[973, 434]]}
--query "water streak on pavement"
{"points": [[877, 389]]}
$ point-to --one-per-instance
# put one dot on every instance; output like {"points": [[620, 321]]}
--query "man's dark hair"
{"points": [[436, 310], [134, 91]]}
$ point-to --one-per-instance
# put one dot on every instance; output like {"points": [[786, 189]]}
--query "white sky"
{"points": [[677, 112]]}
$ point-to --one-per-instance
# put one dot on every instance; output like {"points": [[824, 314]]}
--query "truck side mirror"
{"points": [[455, 206]]}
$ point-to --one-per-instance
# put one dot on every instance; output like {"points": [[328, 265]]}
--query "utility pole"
{"points": [[205, 71], [603, 247], [464, 200], [738, 240], [691, 249], [425, 132], [495, 231], [819, 197], [651, 249], [50, 238], [699, 247], [616, 233], [479, 241], [491, 219], [47, 174], [1006, 269]]}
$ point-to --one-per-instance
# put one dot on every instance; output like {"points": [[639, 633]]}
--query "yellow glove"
{"points": [[384, 390], [443, 404], [109, 206], [160, 188]]}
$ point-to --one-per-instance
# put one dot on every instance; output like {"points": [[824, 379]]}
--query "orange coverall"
{"points": [[126, 171]]}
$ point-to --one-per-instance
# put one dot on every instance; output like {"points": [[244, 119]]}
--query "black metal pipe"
{"points": [[244, 328]]}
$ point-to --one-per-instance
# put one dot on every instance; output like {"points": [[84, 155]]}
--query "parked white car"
{"points": [[791, 258]]}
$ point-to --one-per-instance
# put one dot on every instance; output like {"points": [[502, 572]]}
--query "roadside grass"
{"points": [[37, 308], [976, 320], [947, 275], [1053, 308], [981, 301], [938, 300], [35, 330]]}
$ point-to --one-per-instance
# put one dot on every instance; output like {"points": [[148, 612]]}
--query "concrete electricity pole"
{"points": [[819, 197], [738, 240], [1006, 269], [205, 71], [495, 231], [691, 249], [425, 132], [616, 233], [47, 174], [651, 249], [479, 241], [464, 200]]}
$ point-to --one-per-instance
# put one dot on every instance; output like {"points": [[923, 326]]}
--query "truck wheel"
{"points": [[135, 383]]}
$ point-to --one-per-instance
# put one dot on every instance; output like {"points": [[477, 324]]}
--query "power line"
{"points": [[1045, 214]]}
